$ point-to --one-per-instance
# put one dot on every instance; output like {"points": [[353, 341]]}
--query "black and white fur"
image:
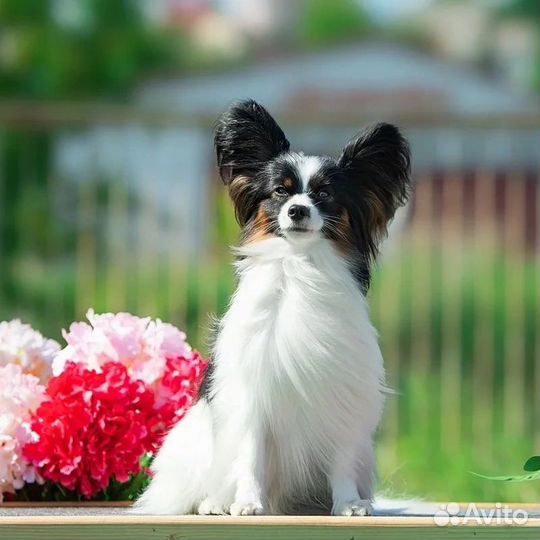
{"points": [[286, 417]]}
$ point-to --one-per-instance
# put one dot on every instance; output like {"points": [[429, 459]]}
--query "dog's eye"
{"points": [[323, 194], [281, 191]]}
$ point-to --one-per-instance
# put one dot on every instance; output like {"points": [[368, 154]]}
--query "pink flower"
{"points": [[20, 396], [20, 344], [178, 388], [142, 345]]}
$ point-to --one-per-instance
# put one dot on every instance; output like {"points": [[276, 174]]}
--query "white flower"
{"points": [[23, 346], [20, 395]]}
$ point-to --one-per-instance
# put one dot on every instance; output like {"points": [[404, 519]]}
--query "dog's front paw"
{"points": [[246, 509], [211, 507], [359, 507]]}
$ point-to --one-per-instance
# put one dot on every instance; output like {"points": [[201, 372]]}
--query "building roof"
{"points": [[364, 76]]}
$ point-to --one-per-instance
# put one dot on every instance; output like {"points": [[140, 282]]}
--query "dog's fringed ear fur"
{"points": [[376, 164], [246, 138]]}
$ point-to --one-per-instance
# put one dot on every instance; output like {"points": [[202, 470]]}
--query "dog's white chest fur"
{"points": [[298, 326], [296, 351], [296, 394]]}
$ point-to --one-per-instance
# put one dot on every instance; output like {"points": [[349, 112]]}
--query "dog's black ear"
{"points": [[246, 138], [376, 164]]}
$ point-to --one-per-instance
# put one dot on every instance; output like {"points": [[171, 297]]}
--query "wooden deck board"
{"points": [[102, 521]]}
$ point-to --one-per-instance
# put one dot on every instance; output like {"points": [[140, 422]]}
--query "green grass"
{"points": [[412, 463]]}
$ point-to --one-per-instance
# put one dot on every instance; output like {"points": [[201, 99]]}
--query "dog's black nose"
{"points": [[297, 212]]}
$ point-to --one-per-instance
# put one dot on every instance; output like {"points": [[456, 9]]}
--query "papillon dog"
{"points": [[286, 417]]}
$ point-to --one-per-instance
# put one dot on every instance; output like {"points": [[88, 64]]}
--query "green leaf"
{"points": [[517, 478], [132, 489], [532, 464], [146, 460]]}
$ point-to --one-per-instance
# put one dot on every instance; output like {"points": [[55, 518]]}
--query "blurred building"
{"points": [[482, 34], [224, 28], [455, 118]]}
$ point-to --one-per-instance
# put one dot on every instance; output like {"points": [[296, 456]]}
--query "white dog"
{"points": [[295, 391]]}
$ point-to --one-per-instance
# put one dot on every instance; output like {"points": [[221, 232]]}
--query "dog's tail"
{"points": [[181, 466]]}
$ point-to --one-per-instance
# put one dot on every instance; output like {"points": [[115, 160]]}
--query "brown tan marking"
{"points": [[344, 239], [288, 183], [379, 216], [238, 190], [260, 228]]}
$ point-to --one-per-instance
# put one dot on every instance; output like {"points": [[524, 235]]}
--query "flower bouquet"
{"points": [[83, 422]]}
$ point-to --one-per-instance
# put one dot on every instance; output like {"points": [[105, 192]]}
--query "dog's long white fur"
{"points": [[298, 392]]}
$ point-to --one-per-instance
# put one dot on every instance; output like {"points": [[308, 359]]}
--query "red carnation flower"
{"points": [[179, 387], [92, 427]]}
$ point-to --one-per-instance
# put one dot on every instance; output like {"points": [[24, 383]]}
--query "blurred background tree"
{"points": [[322, 22], [528, 11], [85, 49], [63, 50]]}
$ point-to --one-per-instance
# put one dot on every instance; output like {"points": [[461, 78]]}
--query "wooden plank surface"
{"points": [[18, 522]]}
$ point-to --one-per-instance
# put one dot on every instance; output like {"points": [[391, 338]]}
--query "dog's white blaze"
{"points": [[298, 388], [307, 167]]}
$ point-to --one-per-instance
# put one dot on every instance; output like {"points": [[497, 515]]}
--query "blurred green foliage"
{"points": [[61, 49], [79, 49], [324, 22], [529, 9], [452, 407]]}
